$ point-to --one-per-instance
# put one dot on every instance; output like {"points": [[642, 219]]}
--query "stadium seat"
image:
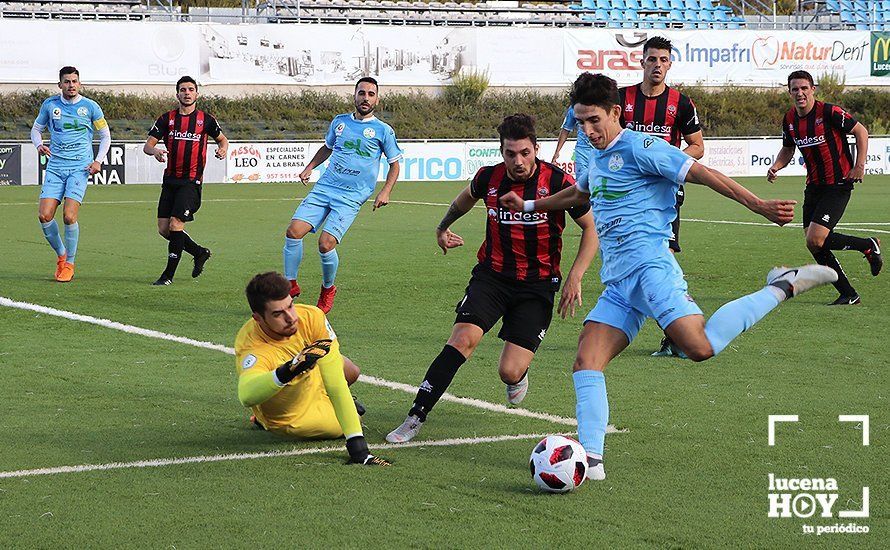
{"points": [[663, 4], [846, 5], [635, 4], [847, 16], [615, 18], [677, 4], [706, 19], [603, 5], [721, 16], [618, 4], [885, 6], [676, 18], [692, 5], [706, 5], [647, 4], [601, 15], [833, 5], [588, 4], [690, 16]]}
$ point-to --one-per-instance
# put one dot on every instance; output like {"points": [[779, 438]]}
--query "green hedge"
{"points": [[732, 111]]}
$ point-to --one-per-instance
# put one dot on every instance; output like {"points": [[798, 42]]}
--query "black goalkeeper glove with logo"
{"points": [[359, 453], [304, 362]]}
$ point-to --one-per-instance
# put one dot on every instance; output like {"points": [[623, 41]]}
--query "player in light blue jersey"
{"points": [[354, 142], [582, 144], [71, 120], [632, 185]]}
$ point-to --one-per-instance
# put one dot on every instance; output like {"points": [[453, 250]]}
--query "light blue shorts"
{"points": [[655, 290], [65, 182], [336, 213]]}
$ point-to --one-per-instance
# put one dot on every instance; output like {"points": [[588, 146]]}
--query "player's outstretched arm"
{"points": [[565, 199], [392, 176], [695, 145], [782, 159], [461, 204], [320, 156], [571, 290], [37, 138], [775, 210], [560, 141]]}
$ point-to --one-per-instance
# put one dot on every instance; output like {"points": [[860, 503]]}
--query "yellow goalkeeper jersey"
{"points": [[307, 396]]}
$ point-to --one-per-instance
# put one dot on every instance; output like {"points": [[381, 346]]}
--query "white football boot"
{"points": [[516, 392], [801, 279], [406, 431], [595, 469]]}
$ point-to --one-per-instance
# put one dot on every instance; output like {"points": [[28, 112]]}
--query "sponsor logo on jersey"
{"points": [[186, 136], [512, 217], [248, 361], [339, 129], [651, 128], [647, 143], [57, 113], [809, 141]]}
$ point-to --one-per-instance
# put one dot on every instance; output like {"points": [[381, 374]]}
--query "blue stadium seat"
{"points": [[860, 5], [677, 5], [706, 18], [603, 5], [663, 4], [721, 16], [690, 16], [706, 5], [631, 16], [692, 5], [588, 4], [650, 4], [885, 6], [675, 16], [617, 4], [846, 5], [833, 5], [615, 18], [635, 5], [847, 16], [601, 15]]}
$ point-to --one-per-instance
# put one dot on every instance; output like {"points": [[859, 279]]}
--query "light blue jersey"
{"points": [[582, 143], [71, 127], [355, 162], [633, 185]]}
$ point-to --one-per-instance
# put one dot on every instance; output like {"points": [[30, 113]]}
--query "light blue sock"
{"points": [[739, 315], [329, 262], [51, 232], [72, 234], [293, 257], [592, 409]]}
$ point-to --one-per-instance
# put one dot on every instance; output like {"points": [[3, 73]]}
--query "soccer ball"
{"points": [[558, 464]]}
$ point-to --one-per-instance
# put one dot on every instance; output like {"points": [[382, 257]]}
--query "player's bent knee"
{"points": [[588, 363], [700, 352], [511, 374], [464, 342], [45, 217], [69, 219]]}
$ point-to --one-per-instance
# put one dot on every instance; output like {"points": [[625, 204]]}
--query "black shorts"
{"points": [[526, 307], [180, 198], [674, 241], [824, 205]]}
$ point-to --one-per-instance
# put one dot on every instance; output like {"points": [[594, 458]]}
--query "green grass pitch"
{"points": [[690, 470]]}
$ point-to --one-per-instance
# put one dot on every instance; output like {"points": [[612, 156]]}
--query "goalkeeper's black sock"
{"points": [[842, 285], [438, 378], [839, 241], [174, 253], [357, 448]]}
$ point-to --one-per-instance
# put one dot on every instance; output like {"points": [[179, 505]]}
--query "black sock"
{"points": [[191, 246], [839, 241], [438, 377], [843, 286], [174, 252]]}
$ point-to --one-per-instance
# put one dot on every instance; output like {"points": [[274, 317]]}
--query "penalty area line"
{"points": [[159, 462], [372, 380]]}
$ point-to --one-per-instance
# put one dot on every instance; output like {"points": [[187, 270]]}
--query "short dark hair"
{"points": [[594, 89], [265, 287], [370, 79], [68, 69], [185, 78], [518, 126], [800, 75], [657, 43]]}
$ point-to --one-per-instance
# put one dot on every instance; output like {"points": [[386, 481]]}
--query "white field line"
{"points": [[372, 380], [154, 463], [848, 226]]}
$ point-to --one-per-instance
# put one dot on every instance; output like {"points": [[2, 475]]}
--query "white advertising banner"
{"points": [[104, 52], [712, 57], [321, 54]]}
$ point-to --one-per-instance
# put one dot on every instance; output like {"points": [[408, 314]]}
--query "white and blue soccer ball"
{"points": [[558, 464]]}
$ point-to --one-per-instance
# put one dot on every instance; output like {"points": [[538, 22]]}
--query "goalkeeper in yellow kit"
{"points": [[291, 373]]}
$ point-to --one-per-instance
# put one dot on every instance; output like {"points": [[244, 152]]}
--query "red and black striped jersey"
{"points": [[669, 115], [821, 136], [186, 139], [525, 246]]}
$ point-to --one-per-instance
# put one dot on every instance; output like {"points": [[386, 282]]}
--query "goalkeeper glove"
{"points": [[359, 453], [303, 362]]}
